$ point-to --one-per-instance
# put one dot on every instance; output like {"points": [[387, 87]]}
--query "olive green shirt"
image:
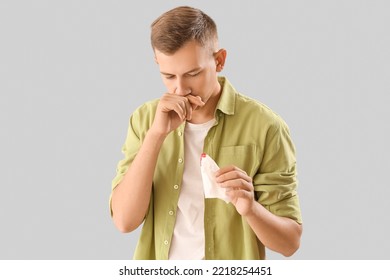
{"points": [[246, 134]]}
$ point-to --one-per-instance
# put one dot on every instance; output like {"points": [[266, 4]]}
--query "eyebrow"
{"points": [[192, 70]]}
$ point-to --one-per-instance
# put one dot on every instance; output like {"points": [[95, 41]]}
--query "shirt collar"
{"points": [[227, 100]]}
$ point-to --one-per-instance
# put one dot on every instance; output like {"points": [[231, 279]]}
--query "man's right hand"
{"points": [[173, 110]]}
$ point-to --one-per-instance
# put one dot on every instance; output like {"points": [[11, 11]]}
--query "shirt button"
{"points": [[166, 242], [180, 133], [180, 160], [170, 212], [175, 187]]}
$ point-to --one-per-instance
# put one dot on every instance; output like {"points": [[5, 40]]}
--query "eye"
{"points": [[194, 74], [169, 77]]}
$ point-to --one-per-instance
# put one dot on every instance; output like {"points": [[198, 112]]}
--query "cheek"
{"points": [[209, 79], [200, 85]]}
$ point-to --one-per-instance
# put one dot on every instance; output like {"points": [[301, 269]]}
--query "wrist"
{"points": [[156, 135], [252, 211]]}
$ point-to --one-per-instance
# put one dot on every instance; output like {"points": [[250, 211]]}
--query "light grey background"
{"points": [[71, 73]]}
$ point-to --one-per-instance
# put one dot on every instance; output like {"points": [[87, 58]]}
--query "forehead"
{"points": [[190, 56]]}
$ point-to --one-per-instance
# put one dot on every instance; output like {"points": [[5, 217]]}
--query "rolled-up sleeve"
{"points": [[129, 149], [276, 182]]}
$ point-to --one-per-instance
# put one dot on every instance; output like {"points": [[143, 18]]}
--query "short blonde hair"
{"points": [[180, 25]]}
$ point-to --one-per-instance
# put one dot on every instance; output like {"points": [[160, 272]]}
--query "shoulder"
{"points": [[143, 116], [148, 107], [257, 113]]}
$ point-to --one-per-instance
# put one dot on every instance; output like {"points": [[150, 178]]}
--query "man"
{"points": [[159, 182]]}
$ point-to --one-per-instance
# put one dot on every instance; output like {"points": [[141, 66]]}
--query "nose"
{"points": [[181, 88]]}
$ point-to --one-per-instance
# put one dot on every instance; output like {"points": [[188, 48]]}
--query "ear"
{"points": [[220, 58]]}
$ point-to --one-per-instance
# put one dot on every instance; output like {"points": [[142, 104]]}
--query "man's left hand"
{"points": [[239, 188]]}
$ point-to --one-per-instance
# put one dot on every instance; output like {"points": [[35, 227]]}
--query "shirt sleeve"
{"points": [[129, 149], [275, 183]]}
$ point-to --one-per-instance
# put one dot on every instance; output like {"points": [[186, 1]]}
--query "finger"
{"points": [[228, 168], [234, 194], [188, 108], [237, 184], [231, 172], [180, 110], [238, 192], [195, 101], [168, 102], [233, 175]]}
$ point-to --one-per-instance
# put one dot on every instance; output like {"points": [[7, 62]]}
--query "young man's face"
{"points": [[191, 70]]}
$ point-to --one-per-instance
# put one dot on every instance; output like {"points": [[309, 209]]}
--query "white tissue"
{"points": [[211, 188]]}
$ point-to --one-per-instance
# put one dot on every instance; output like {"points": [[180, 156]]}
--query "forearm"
{"points": [[130, 199], [279, 234]]}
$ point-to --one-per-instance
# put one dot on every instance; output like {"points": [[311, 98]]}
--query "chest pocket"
{"points": [[244, 157]]}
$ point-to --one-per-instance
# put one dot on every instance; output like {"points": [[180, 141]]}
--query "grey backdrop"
{"points": [[71, 73]]}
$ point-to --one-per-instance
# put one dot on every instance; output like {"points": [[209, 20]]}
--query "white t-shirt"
{"points": [[188, 240]]}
